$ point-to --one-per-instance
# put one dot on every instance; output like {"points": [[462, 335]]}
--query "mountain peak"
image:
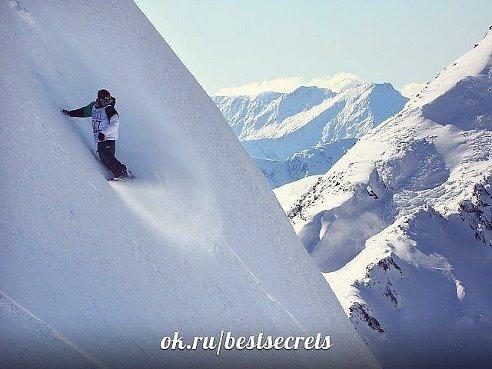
{"points": [[371, 86], [311, 89], [461, 94], [384, 86], [476, 62], [268, 95]]}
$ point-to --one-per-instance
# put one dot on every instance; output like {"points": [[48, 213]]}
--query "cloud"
{"points": [[336, 83], [255, 88], [411, 89]]}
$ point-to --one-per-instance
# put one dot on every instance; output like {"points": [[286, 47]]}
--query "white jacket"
{"points": [[101, 123]]}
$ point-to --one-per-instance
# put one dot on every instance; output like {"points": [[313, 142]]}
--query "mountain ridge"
{"points": [[328, 123]]}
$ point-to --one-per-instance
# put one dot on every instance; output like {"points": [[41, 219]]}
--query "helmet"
{"points": [[103, 94]]}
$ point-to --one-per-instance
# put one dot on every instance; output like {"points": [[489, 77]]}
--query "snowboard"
{"points": [[121, 179]]}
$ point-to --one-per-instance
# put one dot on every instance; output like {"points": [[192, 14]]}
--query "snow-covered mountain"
{"points": [[401, 225], [305, 132], [94, 274], [314, 160], [247, 115]]}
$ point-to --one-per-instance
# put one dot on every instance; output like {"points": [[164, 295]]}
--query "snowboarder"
{"points": [[105, 122]]}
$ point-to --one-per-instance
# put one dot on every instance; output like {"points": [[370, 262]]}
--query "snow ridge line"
{"points": [[12, 308], [265, 292]]}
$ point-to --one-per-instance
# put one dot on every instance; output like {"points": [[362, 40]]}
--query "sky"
{"points": [[250, 46]]}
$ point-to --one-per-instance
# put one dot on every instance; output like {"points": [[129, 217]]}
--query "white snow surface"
{"points": [[94, 274], [303, 133], [401, 225]]}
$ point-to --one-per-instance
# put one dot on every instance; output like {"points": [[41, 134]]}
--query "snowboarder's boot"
{"points": [[126, 175]]}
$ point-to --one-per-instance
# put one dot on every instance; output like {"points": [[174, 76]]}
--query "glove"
{"points": [[101, 136], [66, 112]]}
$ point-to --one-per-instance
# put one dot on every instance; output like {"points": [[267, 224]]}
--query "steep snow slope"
{"points": [[305, 132], [402, 224], [94, 274]]}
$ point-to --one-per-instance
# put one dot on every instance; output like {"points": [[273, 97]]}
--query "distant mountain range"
{"points": [[297, 134]]}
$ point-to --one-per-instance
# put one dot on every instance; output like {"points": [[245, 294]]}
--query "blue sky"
{"points": [[279, 44]]}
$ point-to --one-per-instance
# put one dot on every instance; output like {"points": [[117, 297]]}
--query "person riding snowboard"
{"points": [[105, 122]]}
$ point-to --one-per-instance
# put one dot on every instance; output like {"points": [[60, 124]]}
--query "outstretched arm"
{"points": [[83, 112]]}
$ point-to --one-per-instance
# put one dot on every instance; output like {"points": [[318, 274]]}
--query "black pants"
{"points": [[106, 151]]}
